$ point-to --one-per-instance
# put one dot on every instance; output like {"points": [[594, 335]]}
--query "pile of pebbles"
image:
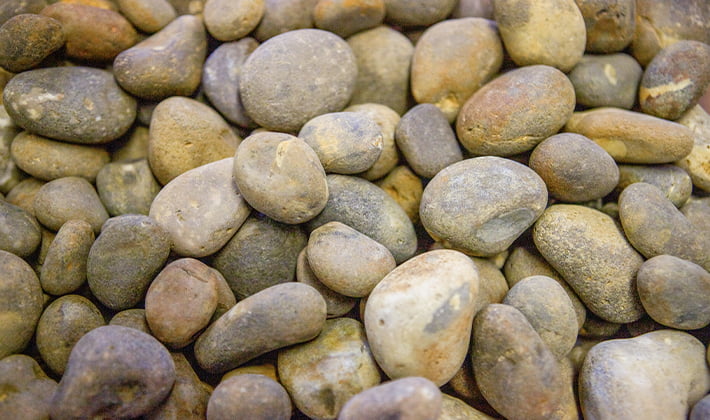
{"points": [[354, 209]]}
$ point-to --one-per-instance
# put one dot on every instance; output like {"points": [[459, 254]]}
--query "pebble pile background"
{"points": [[354, 209]]}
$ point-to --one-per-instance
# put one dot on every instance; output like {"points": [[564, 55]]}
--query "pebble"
{"points": [[697, 211], [225, 296], [20, 303], [249, 396], [405, 188], [19, 230], [674, 182], [452, 60], [283, 82], [11, 8], [10, 174], [655, 226], [517, 374], [530, 38], [420, 325], [168, 63], [276, 317], [92, 33], [23, 194], [610, 24], [68, 198], [27, 389], [261, 254], [695, 163], [48, 159], [60, 327], [75, 104], [426, 140], [149, 16], [188, 398], [127, 187], [134, 145], [368, 209], [413, 397], [603, 269], [200, 209], [281, 176], [663, 374], [281, 16], [574, 168], [132, 318], [481, 205], [27, 39], [609, 80], [125, 258], [633, 137], [220, 79], [323, 374], [230, 20], [516, 111], [383, 57], [336, 304], [344, 17], [64, 267], [417, 12], [185, 134], [114, 372], [387, 119], [701, 410], [493, 286]]}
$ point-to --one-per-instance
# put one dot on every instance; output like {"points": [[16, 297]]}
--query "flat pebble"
{"points": [[387, 119], [75, 104], [344, 17], [230, 20], [30, 389], [606, 80], [200, 209], [19, 230], [698, 121], [249, 396], [125, 258], [405, 188], [276, 317], [27, 39], [417, 12], [674, 182], [64, 199], [323, 374], [413, 397], [188, 397], [115, 372], [127, 187], [498, 199], [610, 24], [64, 267], [336, 304], [148, 15]]}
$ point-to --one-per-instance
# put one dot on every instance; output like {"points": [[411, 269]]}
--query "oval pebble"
{"points": [[249, 396], [27, 39], [64, 199], [147, 15], [610, 24], [337, 305], [282, 16], [19, 231], [606, 80], [413, 397], [64, 268], [387, 119], [132, 318], [229, 20], [127, 187]]}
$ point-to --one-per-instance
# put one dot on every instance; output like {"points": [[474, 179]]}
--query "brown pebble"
{"points": [[27, 39]]}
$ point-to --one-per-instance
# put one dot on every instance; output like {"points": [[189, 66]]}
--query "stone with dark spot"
{"points": [[27, 39], [606, 80], [610, 24]]}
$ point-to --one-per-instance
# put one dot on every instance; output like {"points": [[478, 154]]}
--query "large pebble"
{"points": [[413, 398], [261, 254], [127, 187], [147, 15], [282, 16], [674, 182], [482, 205], [27, 39], [345, 17], [276, 317], [64, 267], [606, 80], [418, 324], [280, 176], [610, 24], [20, 303], [633, 137], [125, 258], [336, 304], [452, 60], [61, 326], [229, 20], [590, 251], [530, 38], [114, 372], [516, 111], [167, 63], [518, 375], [185, 134], [19, 231], [368, 209], [695, 163], [27, 391], [658, 375], [64, 199], [417, 12], [188, 397], [297, 76], [387, 119], [201, 209], [323, 374], [249, 396], [76, 104], [655, 226]]}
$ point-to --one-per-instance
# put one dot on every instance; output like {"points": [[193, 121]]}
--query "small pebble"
{"points": [[188, 397], [132, 318], [387, 119], [417, 12], [405, 188], [249, 396], [413, 397], [148, 15], [127, 187], [64, 267], [230, 20], [282, 16]]}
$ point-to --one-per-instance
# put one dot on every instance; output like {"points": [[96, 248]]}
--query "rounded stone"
{"points": [[344, 17], [481, 205], [674, 182], [125, 258], [249, 396], [64, 199], [610, 24], [27, 39], [297, 76], [279, 316], [414, 398], [180, 301], [64, 268], [61, 325], [20, 303], [280, 176], [516, 111], [127, 187], [148, 15], [405, 188], [185, 134], [529, 37], [323, 374], [557, 160], [452, 60], [606, 80], [19, 231], [27, 391], [282, 16], [417, 323], [698, 121], [387, 119], [336, 304], [47, 159], [229, 20], [417, 12], [75, 104], [116, 372], [132, 318], [603, 270], [200, 209]]}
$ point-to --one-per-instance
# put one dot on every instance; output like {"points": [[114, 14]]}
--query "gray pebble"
{"points": [[19, 230], [606, 80], [64, 199], [249, 396], [337, 305], [387, 120], [127, 187], [413, 398], [674, 182], [64, 267], [282, 16], [610, 24]]}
